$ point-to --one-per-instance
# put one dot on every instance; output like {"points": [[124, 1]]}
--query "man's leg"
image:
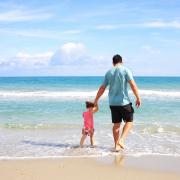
{"points": [[127, 127], [116, 128]]}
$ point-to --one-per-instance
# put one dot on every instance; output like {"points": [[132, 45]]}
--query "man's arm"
{"points": [[99, 94], [135, 91]]}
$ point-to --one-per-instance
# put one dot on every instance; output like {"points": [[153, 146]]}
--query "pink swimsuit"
{"points": [[88, 122]]}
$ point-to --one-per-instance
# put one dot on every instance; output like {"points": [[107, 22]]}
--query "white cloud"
{"points": [[76, 54], [37, 59], [19, 15], [108, 27], [152, 24], [69, 53], [39, 33], [163, 24], [74, 59], [114, 26], [27, 60], [149, 49]]}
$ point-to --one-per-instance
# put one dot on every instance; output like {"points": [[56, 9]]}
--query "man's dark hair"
{"points": [[117, 59], [89, 104]]}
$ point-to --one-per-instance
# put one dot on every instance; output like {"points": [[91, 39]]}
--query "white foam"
{"points": [[80, 94], [48, 94], [160, 93], [49, 157], [87, 156]]}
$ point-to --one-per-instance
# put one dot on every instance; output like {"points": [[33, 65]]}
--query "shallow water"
{"points": [[42, 116]]}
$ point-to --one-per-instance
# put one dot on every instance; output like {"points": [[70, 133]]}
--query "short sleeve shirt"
{"points": [[117, 79]]}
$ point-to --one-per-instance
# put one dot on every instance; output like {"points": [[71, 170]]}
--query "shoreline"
{"points": [[106, 167]]}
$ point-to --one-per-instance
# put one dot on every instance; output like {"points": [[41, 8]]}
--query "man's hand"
{"points": [[135, 91], [138, 102]]}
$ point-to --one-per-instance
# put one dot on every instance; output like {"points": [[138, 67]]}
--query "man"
{"points": [[117, 79]]}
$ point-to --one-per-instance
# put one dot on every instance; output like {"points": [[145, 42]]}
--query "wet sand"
{"points": [[106, 168]]}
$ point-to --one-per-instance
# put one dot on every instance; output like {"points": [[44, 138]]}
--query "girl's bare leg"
{"points": [[92, 137], [82, 140], [92, 140]]}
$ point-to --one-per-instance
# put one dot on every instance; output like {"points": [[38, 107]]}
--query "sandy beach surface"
{"points": [[106, 168]]}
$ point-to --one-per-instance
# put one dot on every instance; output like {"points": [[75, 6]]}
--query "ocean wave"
{"points": [[81, 94], [155, 128], [86, 152], [110, 154], [160, 93], [47, 94], [140, 130], [41, 126]]}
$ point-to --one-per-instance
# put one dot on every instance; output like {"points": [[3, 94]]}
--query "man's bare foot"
{"points": [[121, 143], [117, 148]]}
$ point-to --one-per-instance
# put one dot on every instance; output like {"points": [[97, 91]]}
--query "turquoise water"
{"points": [[42, 116]]}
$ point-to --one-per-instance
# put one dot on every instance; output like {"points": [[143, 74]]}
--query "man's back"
{"points": [[117, 78]]}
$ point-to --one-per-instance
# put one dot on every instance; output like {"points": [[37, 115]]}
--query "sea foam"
{"points": [[81, 94]]}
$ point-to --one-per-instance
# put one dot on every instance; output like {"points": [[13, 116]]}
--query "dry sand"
{"points": [[113, 168]]}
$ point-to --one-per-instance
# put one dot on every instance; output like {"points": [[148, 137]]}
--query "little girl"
{"points": [[88, 128]]}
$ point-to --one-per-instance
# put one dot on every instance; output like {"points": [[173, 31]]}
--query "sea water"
{"points": [[42, 117]]}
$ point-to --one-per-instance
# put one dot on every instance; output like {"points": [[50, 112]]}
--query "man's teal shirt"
{"points": [[117, 79]]}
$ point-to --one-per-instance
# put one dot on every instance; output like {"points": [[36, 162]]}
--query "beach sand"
{"points": [[105, 168]]}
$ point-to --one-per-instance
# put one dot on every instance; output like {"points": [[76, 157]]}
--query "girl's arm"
{"points": [[95, 108]]}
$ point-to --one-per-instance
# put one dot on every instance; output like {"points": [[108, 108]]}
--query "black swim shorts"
{"points": [[120, 113]]}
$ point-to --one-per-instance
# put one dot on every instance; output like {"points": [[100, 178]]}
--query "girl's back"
{"points": [[88, 119]]}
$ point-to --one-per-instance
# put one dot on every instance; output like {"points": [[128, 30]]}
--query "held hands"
{"points": [[96, 108], [96, 102]]}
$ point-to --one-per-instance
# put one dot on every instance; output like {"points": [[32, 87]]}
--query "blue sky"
{"points": [[75, 37]]}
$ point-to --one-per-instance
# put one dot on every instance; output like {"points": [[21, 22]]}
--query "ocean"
{"points": [[42, 117]]}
